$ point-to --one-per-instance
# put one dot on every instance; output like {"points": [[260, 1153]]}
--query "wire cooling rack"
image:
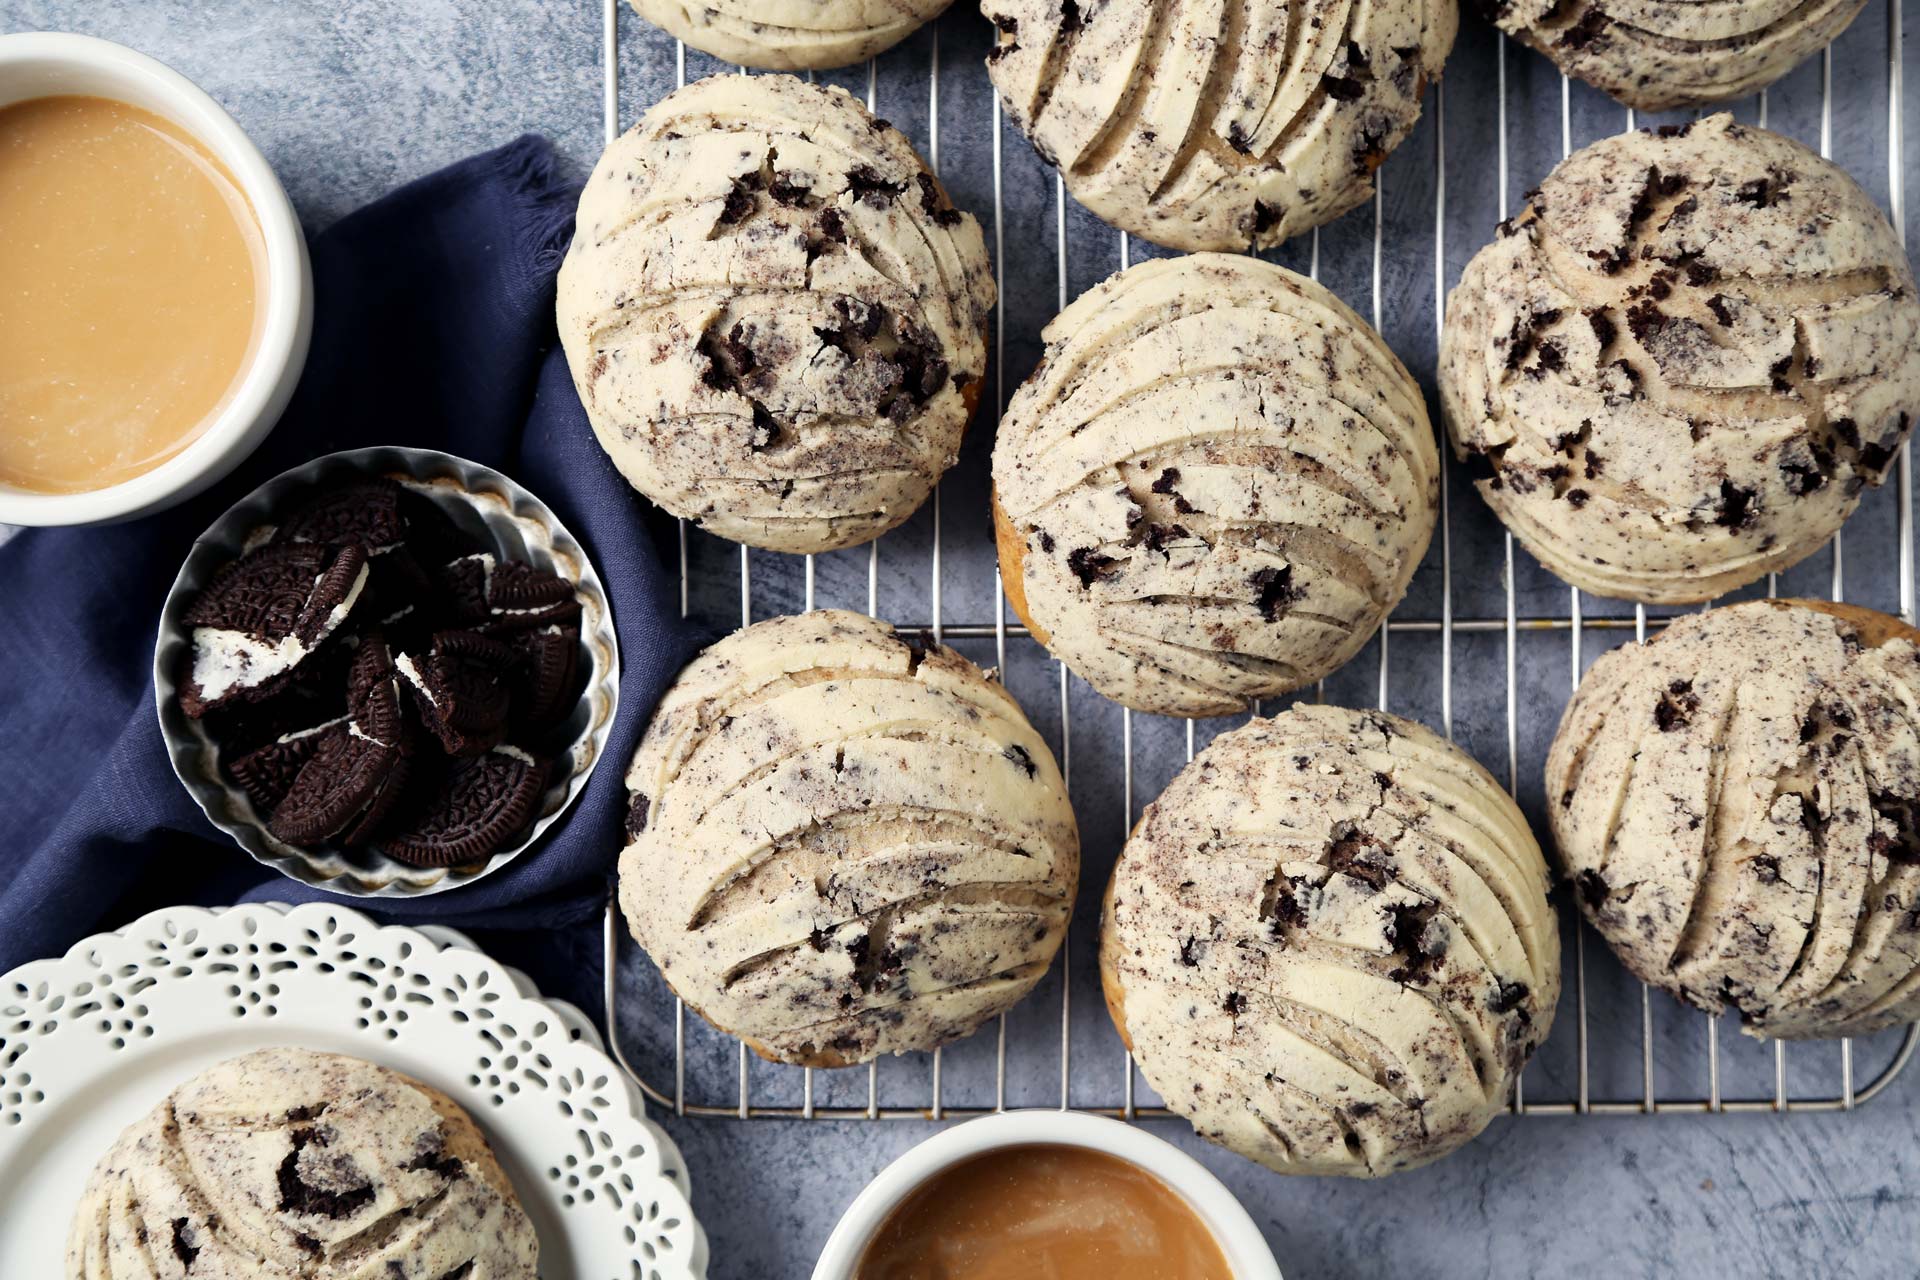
{"points": [[1477, 624]]}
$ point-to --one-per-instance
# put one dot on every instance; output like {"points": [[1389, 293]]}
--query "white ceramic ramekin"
{"points": [[41, 64], [1239, 1240]]}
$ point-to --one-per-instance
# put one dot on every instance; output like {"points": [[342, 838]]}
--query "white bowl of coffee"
{"points": [[1055, 1193], [158, 300]]}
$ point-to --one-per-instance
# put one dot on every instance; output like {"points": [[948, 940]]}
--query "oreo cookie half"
{"points": [[476, 806], [488, 595], [348, 784], [543, 682], [460, 688], [521, 596], [463, 586], [261, 615], [365, 513], [358, 769], [313, 693], [266, 773], [371, 675]]}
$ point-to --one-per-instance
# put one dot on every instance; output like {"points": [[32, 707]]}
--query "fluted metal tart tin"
{"points": [[507, 520]]}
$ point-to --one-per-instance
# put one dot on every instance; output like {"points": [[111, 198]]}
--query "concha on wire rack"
{"points": [[1328, 943], [1659, 54], [843, 843], [1214, 487], [1217, 126], [1737, 804], [773, 314], [791, 35], [1683, 361]]}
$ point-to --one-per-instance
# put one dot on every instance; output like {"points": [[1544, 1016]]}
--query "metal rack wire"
{"points": [[1843, 1095]]}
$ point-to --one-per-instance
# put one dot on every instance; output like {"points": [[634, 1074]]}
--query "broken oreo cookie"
{"points": [[341, 793], [523, 596], [358, 768], [267, 773], [262, 615], [365, 513], [490, 595], [477, 805], [544, 679], [460, 689]]}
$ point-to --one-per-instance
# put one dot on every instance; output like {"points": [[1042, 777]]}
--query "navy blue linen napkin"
{"points": [[433, 328]]}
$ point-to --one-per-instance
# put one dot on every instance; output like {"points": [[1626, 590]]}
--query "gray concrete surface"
{"points": [[351, 97]]}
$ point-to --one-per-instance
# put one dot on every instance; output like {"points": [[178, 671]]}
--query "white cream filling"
{"points": [[404, 664], [298, 734], [487, 566], [340, 611], [487, 563], [225, 660], [515, 753], [353, 728]]}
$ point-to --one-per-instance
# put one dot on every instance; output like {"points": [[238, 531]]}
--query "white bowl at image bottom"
{"points": [[45, 64], [1241, 1244]]}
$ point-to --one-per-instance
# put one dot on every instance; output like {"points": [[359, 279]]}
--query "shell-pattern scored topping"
{"points": [[791, 35], [1329, 945], [286, 1164], [1737, 806], [1217, 124], [1215, 485], [844, 844], [773, 314], [1679, 366], [1659, 54]]}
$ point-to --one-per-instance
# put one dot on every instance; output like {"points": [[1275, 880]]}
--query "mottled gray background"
{"points": [[350, 97]]}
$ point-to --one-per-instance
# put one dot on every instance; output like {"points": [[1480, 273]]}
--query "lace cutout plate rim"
{"points": [[92, 1040]]}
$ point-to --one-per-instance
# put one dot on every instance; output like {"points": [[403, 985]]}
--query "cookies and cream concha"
{"points": [[791, 35], [843, 843], [1737, 805], [1214, 487], [1217, 126], [1328, 943], [774, 315], [287, 1164], [1657, 54], [1680, 365]]}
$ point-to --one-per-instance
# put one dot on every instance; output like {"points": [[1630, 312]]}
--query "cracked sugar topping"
{"points": [[1329, 945], [843, 843], [1214, 486], [1736, 802], [1659, 56], [791, 35], [1223, 126], [286, 1162], [1679, 366], [774, 315]]}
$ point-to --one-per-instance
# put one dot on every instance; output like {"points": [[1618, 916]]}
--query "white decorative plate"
{"points": [[94, 1040]]}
